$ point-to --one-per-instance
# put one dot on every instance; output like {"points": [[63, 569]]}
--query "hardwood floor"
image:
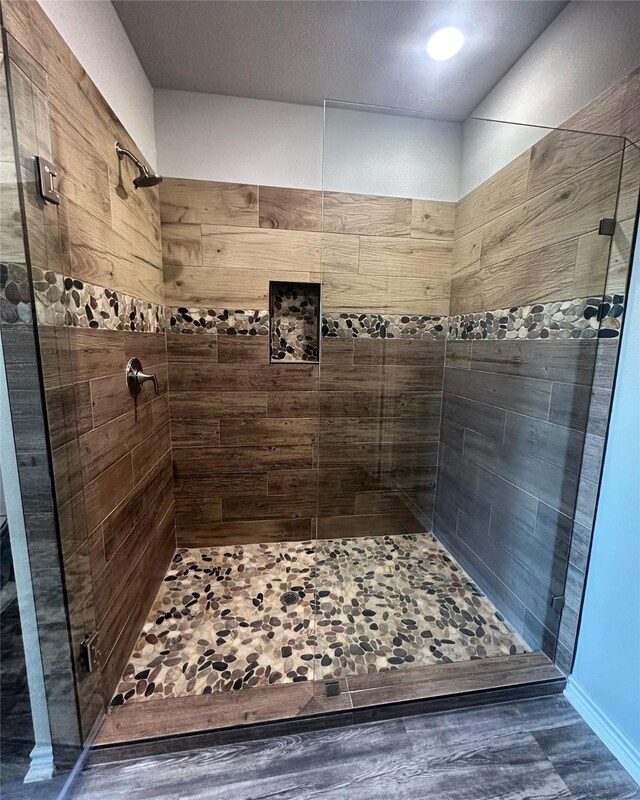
{"points": [[537, 748]]}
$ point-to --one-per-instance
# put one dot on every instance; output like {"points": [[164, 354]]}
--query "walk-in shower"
{"points": [[361, 461]]}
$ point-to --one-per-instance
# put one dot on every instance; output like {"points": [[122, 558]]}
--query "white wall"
{"points": [[234, 139], [605, 685], [586, 49], [217, 138], [95, 35], [385, 154]]}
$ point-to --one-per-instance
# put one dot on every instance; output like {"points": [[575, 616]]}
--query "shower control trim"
{"points": [[46, 172], [136, 377]]}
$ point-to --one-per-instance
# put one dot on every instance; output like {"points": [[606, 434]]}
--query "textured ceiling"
{"points": [[303, 51]]}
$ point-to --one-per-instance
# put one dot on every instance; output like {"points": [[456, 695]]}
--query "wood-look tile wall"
{"points": [[222, 243], [529, 233], [523, 422], [260, 450], [269, 448], [112, 466]]}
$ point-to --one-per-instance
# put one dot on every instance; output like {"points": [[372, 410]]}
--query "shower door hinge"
{"points": [[332, 688], [46, 172], [607, 226], [557, 601], [89, 651]]}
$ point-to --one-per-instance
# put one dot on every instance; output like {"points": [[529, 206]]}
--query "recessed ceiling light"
{"points": [[445, 43]]}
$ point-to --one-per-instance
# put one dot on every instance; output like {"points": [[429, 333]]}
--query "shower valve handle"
{"points": [[136, 377]]}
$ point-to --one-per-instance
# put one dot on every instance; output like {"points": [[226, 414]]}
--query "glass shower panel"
{"points": [[465, 299], [46, 402]]}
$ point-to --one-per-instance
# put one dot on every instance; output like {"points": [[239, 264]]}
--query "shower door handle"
{"points": [[136, 377]]}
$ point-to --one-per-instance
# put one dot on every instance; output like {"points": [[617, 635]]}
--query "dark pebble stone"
{"points": [[220, 666], [286, 651], [607, 333], [590, 311]]}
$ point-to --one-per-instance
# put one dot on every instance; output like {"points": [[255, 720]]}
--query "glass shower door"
{"points": [[469, 300]]}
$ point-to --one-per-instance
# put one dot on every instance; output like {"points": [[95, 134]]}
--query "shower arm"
{"points": [[122, 152]]}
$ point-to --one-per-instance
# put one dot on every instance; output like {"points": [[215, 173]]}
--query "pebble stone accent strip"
{"points": [[352, 324], [294, 322], [15, 296], [571, 319], [208, 320], [68, 301], [364, 605]]}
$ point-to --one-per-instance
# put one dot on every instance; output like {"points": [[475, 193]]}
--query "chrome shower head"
{"points": [[146, 177]]}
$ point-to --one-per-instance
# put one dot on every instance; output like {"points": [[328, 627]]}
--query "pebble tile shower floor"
{"points": [[221, 620]]}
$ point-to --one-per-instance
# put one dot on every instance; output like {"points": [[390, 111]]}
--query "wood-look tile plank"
{"points": [[565, 211], [570, 362], [410, 258], [233, 484], [205, 409], [418, 352], [243, 349], [181, 244], [292, 481], [466, 294], [145, 455], [198, 513], [290, 209], [110, 487], [550, 442], [101, 447], [245, 532], [110, 398], [219, 288], [371, 215], [480, 417], [500, 193], [510, 392], [354, 430], [146, 720], [432, 219], [135, 506], [540, 276], [466, 254], [340, 252], [270, 507], [226, 247], [268, 431], [239, 378], [562, 154], [337, 351], [292, 404], [68, 412], [384, 294], [208, 202], [193, 462], [192, 348], [95, 353], [331, 527], [375, 378], [553, 485]]}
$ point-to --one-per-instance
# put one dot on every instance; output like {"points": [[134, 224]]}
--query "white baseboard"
{"points": [[602, 726], [41, 768]]}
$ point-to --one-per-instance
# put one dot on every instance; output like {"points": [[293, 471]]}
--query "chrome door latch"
{"points": [[46, 172]]}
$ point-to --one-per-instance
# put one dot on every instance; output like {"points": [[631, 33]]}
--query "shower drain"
{"points": [[289, 598]]}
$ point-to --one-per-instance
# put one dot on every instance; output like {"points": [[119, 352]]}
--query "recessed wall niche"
{"points": [[294, 320]]}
